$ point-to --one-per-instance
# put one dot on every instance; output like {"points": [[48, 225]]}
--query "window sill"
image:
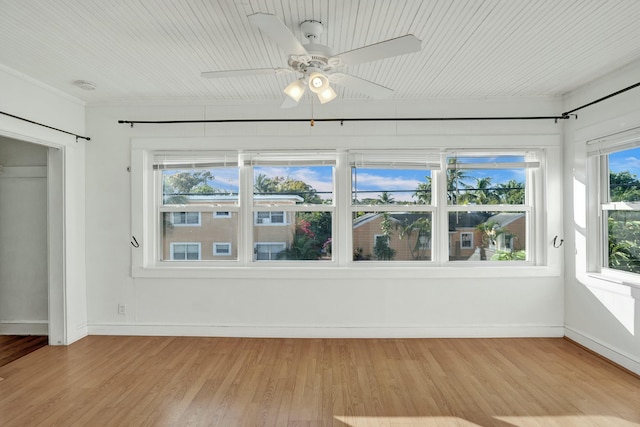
{"points": [[368, 270], [613, 284]]}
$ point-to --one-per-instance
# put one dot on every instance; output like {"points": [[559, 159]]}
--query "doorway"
{"points": [[24, 238]]}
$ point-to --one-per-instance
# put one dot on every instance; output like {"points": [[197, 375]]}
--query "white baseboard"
{"points": [[24, 327], [624, 359], [243, 331]]}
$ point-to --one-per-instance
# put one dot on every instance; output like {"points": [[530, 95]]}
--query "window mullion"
{"points": [[246, 214], [343, 217], [441, 222]]}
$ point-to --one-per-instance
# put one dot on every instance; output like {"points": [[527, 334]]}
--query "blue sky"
{"points": [[627, 160], [400, 183]]}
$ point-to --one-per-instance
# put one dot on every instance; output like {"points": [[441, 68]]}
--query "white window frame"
{"points": [[146, 222], [597, 152], [428, 160], [173, 244], [299, 158], [222, 214], [534, 196]]}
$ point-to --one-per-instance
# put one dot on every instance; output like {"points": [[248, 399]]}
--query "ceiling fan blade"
{"points": [[385, 49], [275, 29], [289, 103], [363, 86], [244, 73]]}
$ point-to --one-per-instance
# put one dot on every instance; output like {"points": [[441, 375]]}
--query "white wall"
{"points": [[23, 238], [600, 315], [300, 303], [26, 98]]}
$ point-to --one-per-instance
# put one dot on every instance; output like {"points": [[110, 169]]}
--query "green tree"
{"points": [[417, 234], [304, 245], [187, 183], [509, 256], [482, 193], [455, 182], [281, 185], [490, 231], [385, 199], [510, 193], [623, 225], [263, 185], [624, 187], [423, 192], [382, 250]]}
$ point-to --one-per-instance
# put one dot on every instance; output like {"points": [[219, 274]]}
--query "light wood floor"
{"points": [[177, 381]]}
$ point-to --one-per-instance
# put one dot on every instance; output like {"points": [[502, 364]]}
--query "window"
{"points": [[391, 205], [222, 249], [270, 218], [268, 251], [489, 201], [341, 208], [185, 218], [293, 202], [619, 206], [188, 186], [466, 240], [185, 251]]}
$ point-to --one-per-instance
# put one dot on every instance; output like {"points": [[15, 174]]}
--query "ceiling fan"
{"points": [[316, 64]]}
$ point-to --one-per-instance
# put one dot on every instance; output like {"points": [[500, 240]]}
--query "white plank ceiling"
{"points": [[155, 50]]}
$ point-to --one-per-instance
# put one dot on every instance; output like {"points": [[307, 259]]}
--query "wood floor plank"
{"points": [[176, 381]]}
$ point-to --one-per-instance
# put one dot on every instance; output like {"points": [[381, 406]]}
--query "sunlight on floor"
{"points": [[551, 421], [357, 421], [568, 421]]}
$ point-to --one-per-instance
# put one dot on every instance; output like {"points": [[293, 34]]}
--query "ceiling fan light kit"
{"points": [[295, 90], [316, 62], [327, 95]]}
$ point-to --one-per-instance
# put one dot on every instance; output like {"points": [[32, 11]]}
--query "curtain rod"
{"points": [[563, 116], [47, 126], [342, 120], [611, 95]]}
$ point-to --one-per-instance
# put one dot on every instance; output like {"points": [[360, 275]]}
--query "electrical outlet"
{"points": [[122, 309]]}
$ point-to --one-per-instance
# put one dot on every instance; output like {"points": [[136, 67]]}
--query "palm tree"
{"points": [[302, 247], [511, 192], [421, 228], [455, 180], [423, 192], [385, 199], [262, 184], [482, 193]]}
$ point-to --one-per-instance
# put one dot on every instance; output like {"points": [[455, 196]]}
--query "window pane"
{"points": [[184, 251], [212, 229], [191, 186], [624, 240], [624, 167], [390, 186], [491, 186], [487, 236], [302, 236], [293, 185], [392, 236]]}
